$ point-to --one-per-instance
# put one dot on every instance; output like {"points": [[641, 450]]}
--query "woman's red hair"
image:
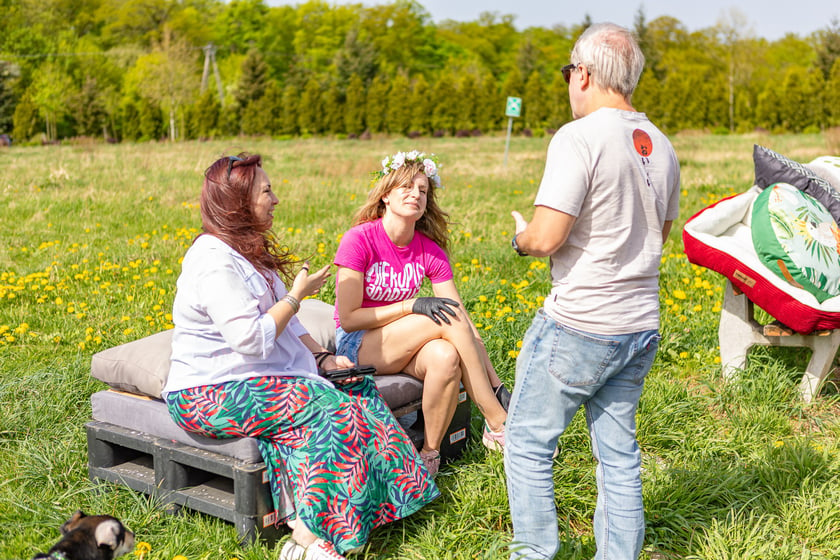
{"points": [[227, 213]]}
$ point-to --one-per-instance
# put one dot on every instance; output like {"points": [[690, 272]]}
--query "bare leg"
{"points": [[437, 364], [488, 365], [302, 535], [390, 348]]}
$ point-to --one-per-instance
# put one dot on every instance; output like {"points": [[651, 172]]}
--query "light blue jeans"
{"points": [[558, 370]]}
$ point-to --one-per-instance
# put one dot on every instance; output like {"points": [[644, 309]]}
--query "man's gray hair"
{"points": [[612, 55]]}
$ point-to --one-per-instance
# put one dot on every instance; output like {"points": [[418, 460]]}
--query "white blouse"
{"points": [[222, 329]]}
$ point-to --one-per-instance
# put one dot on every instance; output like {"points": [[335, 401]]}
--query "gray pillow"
{"points": [[772, 168], [142, 366]]}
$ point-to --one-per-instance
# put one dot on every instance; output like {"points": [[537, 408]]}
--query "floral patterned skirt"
{"points": [[350, 464]]}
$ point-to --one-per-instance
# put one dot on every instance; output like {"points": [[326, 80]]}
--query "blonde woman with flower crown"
{"points": [[399, 239]]}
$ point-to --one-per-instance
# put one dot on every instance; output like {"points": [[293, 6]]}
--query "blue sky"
{"points": [[770, 19]]}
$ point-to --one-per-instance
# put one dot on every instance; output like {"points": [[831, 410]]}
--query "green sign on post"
{"points": [[514, 107]]}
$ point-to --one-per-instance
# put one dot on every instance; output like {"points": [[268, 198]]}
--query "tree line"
{"points": [[149, 69]]}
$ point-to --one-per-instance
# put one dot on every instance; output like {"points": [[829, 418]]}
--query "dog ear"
{"points": [[108, 533], [68, 525]]}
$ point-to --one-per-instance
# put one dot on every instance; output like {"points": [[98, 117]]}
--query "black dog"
{"points": [[91, 537]]}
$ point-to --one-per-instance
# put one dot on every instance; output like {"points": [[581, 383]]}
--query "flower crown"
{"points": [[394, 162]]}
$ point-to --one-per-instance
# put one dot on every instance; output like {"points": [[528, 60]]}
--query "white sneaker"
{"points": [[321, 550], [291, 551]]}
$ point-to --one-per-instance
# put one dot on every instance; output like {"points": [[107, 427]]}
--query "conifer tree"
{"points": [[376, 106], [253, 80], [768, 109], [558, 109], [399, 112], [262, 115], [465, 103], [332, 103], [420, 106], [444, 95], [291, 105], [489, 107], [534, 110], [310, 109], [828, 50], [354, 107], [7, 98], [204, 115], [25, 119]]}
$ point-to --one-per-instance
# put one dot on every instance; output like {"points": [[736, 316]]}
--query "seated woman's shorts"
{"points": [[348, 343]]}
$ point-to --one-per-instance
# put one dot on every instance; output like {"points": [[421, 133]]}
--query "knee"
{"points": [[444, 362]]}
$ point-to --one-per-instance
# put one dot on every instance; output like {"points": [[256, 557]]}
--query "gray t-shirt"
{"points": [[619, 176]]}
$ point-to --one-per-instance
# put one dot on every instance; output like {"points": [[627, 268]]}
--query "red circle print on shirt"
{"points": [[642, 142]]}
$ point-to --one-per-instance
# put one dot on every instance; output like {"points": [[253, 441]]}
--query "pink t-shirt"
{"points": [[391, 273]]}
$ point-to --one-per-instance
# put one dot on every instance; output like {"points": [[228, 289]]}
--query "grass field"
{"points": [[92, 237]]}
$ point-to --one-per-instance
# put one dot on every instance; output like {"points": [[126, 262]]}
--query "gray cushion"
{"points": [[151, 416], [142, 366]]}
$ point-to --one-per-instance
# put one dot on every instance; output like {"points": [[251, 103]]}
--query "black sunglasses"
{"points": [[567, 71], [231, 159]]}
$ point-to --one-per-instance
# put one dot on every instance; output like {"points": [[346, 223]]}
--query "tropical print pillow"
{"points": [[796, 237]]}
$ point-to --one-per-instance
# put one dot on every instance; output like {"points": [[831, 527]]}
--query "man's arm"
{"points": [[545, 233]]}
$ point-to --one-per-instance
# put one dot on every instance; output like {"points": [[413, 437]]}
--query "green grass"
{"points": [[91, 243]]}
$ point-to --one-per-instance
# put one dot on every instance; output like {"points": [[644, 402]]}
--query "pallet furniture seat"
{"points": [[739, 331], [132, 440], [719, 238]]}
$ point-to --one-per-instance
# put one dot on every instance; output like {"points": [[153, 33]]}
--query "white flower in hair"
{"points": [[398, 161], [392, 163]]}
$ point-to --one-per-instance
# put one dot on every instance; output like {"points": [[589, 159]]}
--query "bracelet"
{"points": [[292, 300], [321, 357]]}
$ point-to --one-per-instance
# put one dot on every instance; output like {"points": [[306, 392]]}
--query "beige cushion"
{"points": [[142, 366]]}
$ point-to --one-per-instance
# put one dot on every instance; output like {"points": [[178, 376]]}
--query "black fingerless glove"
{"points": [[435, 308]]}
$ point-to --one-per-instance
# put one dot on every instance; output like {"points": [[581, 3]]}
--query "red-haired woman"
{"points": [[399, 239], [244, 366]]}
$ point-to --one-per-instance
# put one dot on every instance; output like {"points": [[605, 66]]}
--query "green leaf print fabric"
{"points": [[796, 237], [350, 464]]}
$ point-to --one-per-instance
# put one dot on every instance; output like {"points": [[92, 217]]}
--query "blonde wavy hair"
{"points": [[434, 223]]}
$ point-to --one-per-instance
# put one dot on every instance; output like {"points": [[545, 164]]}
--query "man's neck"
{"points": [[600, 99]]}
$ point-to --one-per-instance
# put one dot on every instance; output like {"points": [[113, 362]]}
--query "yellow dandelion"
{"points": [[679, 294], [683, 355], [778, 443], [142, 548]]}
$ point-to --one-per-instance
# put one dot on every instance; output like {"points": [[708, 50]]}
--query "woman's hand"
{"points": [[340, 362], [435, 308], [306, 284]]}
